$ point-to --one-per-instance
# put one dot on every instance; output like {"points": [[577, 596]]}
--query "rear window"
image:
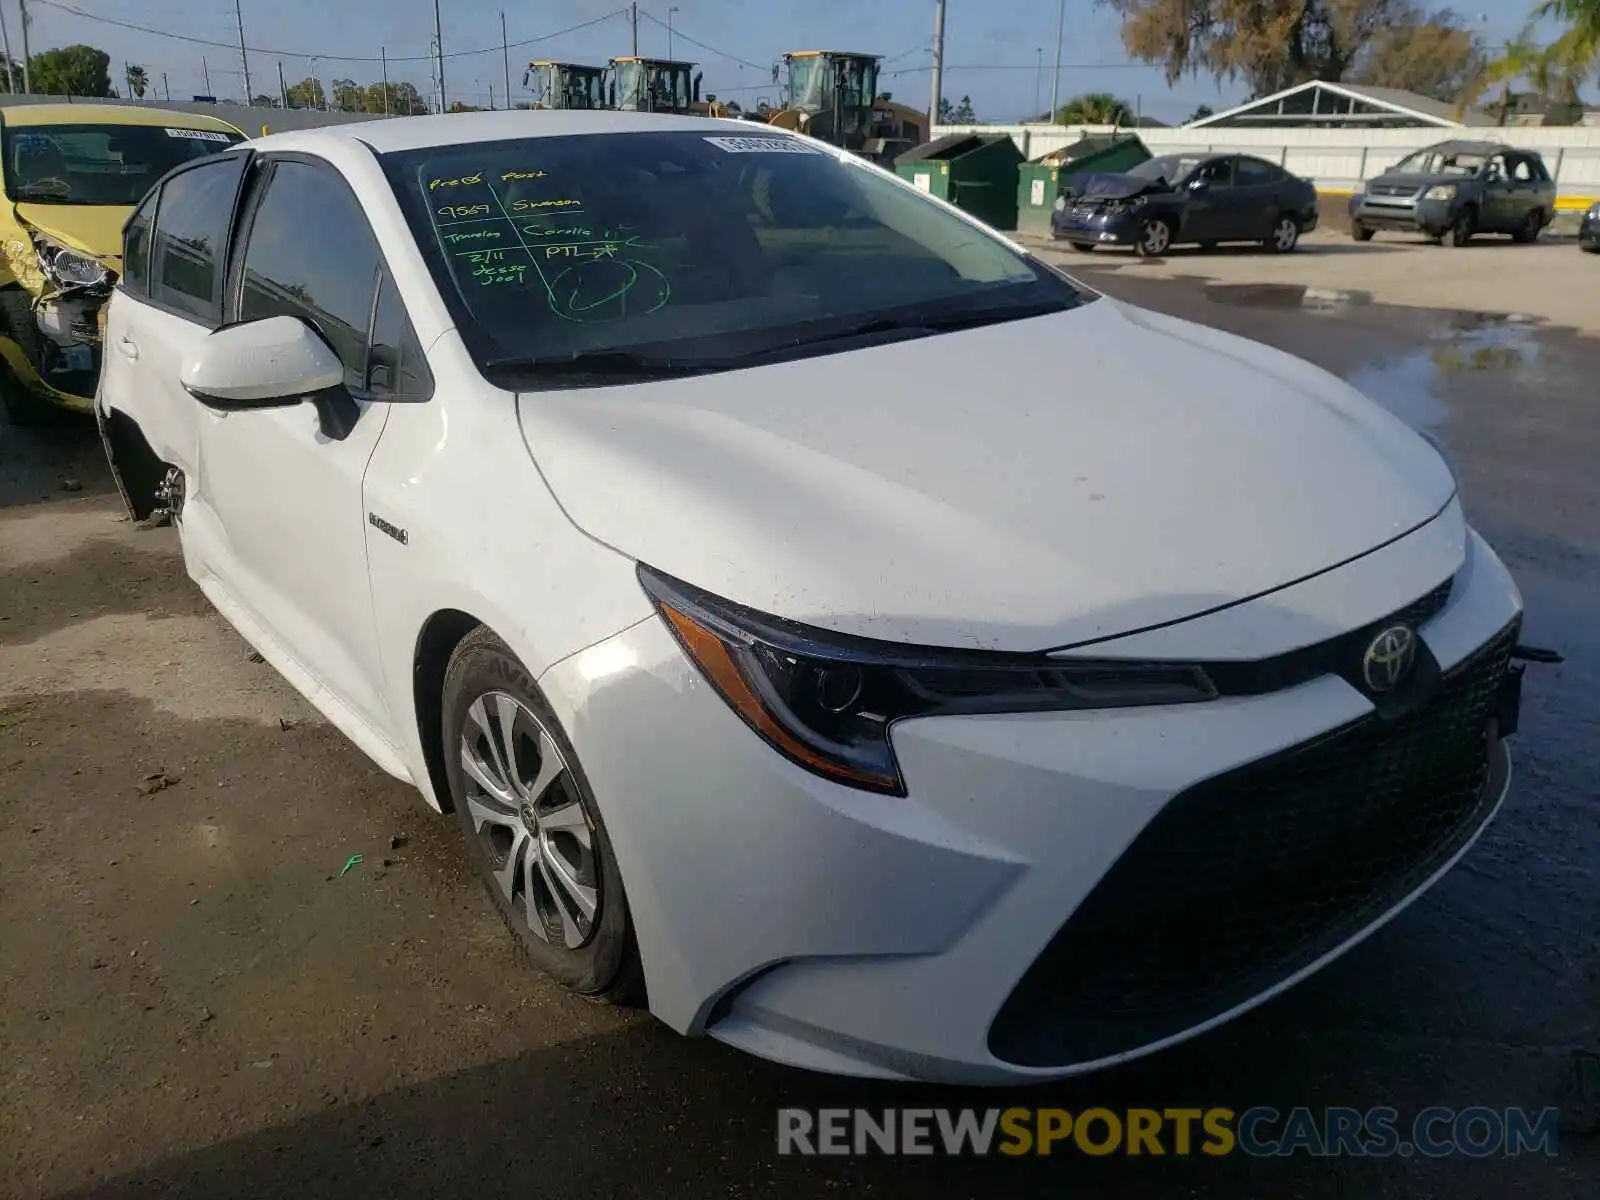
{"points": [[708, 243], [98, 164]]}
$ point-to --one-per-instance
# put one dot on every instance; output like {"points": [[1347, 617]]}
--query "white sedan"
{"points": [[823, 618]]}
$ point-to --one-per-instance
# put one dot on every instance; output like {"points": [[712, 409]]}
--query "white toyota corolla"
{"points": [[823, 617]]}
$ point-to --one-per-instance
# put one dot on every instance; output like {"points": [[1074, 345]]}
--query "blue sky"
{"points": [[991, 46]]}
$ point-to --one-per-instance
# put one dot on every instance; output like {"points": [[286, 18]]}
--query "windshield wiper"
{"points": [[618, 363], [927, 324]]}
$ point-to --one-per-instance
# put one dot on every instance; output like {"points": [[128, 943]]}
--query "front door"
{"points": [[1499, 210], [287, 495], [1211, 215]]}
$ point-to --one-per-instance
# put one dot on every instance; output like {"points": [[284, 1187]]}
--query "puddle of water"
{"points": [[1285, 295], [1409, 384]]}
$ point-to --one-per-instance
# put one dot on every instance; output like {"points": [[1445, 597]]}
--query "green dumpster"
{"points": [[977, 172], [1039, 181]]}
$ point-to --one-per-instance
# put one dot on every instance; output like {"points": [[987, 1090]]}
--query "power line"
{"points": [[679, 33], [183, 37]]}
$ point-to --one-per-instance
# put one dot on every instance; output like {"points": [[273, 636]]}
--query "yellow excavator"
{"points": [[832, 95], [565, 85], [653, 85]]}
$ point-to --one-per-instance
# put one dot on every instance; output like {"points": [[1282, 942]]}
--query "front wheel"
{"points": [[1461, 230], [1532, 227], [533, 830], [1285, 235], [1361, 233], [1155, 238]]}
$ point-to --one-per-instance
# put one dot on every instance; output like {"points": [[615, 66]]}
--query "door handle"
{"points": [[129, 349]]}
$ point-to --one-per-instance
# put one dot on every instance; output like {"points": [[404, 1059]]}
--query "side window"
{"points": [[397, 369], [192, 220], [136, 246], [1252, 171], [311, 254], [1495, 172], [1522, 169], [1218, 173]]}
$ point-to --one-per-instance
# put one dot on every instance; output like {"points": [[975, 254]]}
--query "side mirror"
{"points": [[276, 362]]}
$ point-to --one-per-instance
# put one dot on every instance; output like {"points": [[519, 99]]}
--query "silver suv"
{"points": [[1455, 190]]}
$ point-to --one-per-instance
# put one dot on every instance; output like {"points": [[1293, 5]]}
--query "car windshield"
{"points": [[707, 248], [1438, 162], [1174, 168], [98, 164]]}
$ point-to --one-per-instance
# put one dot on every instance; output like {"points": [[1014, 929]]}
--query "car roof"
{"points": [[110, 114], [1460, 146], [455, 129]]}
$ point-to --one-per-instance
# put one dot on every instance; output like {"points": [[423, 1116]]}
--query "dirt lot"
{"points": [[201, 1004]]}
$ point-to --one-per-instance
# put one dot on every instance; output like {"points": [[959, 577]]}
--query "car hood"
{"points": [[1098, 185], [1417, 182], [1035, 484], [94, 229]]}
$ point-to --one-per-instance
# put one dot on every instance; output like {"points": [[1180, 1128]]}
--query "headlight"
{"points": [[68, 268], [826, 701], [1445, 191], [1061, 203]]}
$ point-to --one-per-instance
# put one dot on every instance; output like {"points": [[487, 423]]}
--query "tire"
{"points": [[1360, 232], [1285, 234], [1082, 247], [598, 958], [1531, 228], [23, 407], [1155, 238], [1461, 229]]}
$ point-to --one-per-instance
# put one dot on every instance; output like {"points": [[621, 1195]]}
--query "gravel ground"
{"points": [[202, 1005]]}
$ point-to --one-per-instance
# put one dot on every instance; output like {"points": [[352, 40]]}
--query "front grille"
{"points": [[1336, 656], [1248, 877], [1389, 189]]}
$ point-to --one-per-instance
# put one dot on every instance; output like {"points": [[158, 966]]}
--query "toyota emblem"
{"points": [[1389, 657]]}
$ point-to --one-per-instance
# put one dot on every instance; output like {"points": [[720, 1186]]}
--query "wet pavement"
{"points": [[200, 1006]]}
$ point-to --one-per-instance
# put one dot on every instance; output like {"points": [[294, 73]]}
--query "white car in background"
{"points": [[823, 617]]}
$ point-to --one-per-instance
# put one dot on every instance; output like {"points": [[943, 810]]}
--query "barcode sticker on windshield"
{"points": [[200, 135], [762, 145]]}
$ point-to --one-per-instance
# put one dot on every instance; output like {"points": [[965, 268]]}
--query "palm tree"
{"points": [[1094, 108], [1553, 71], [138, 81]]}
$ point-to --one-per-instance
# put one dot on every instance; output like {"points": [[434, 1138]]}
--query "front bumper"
{"points": [[1003, 921], [1589, 233], [1096, 228], [1432, 217]]}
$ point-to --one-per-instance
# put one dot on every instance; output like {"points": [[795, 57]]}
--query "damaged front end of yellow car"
{"points": [[53, 315]]}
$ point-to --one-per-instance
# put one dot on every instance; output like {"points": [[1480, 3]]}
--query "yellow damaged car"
{"points": [[72, 174]]}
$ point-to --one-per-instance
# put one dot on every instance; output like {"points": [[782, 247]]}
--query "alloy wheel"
{"points": [[1285, 234], [531, 821], [1155, 238]]}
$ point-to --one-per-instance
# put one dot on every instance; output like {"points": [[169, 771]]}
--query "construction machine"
{"points": [[832, 95], [653, 85], [565, 85]]}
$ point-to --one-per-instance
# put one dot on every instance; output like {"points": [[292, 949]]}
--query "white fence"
{"points": [[1337, 159]]}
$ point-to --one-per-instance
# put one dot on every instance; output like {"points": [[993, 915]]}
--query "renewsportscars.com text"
{"points": [[1259, 1132]]}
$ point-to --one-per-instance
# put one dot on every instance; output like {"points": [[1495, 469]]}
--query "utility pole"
{"points": [[166, 87], [491, 95], [244, 55], [938, 62], [205, 72], [383, 53], [670, 11], [438, 38], [27, 77], [633, 20], [11, 66], [1055, 80], [1038, 79], [505, 57], [283, 88]]}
